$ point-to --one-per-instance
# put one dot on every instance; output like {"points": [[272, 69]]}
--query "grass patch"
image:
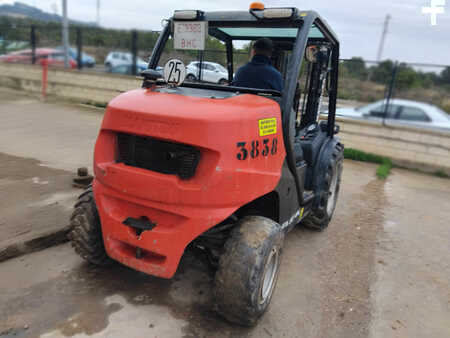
{"points": [[442, 174], [384, 169], [95, 104], [385, 163]]}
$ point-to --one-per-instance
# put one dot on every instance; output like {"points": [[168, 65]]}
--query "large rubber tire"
{"points": [[253, 248], [86, 234], [329, 186]]}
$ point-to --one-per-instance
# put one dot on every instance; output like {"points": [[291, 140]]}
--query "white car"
{"points": [[114, 59], [211, 72], [402, 112]]}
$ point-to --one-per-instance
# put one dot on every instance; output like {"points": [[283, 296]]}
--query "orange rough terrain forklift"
{"points": [[223, 169]]}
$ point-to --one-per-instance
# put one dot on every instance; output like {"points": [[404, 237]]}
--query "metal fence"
{"points": [[126, 52], [370, 81]]}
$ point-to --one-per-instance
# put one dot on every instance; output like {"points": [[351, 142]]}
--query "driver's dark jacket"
{"points": [[258, 73]]}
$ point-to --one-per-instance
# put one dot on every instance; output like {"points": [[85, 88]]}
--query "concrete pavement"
{"points": [[41, 146], [61, 136], [411, 293]]}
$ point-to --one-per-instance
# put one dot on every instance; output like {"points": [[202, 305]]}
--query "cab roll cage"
{"points": [[305, 23]]}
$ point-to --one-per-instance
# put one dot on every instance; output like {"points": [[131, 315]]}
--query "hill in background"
{"points": [[24, 11]]}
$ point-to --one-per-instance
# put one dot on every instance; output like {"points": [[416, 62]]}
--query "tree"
{"points": [[407, 77], [445, 76], [356, 68], [382, 73]]}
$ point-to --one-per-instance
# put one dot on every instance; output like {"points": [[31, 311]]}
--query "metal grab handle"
{"points": [[142, 223]]}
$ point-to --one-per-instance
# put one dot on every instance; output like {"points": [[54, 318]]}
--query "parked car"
{"points": [[54, 57], [402, 112], [86, 59], [211, 72], [114, 59]]}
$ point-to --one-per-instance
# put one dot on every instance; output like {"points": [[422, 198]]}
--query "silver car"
{"points": [[401, 112]]}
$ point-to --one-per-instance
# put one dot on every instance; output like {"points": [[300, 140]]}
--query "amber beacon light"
{"points": [[256, 6]]}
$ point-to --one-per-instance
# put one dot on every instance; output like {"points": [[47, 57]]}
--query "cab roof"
{"points": [[240, 25]]}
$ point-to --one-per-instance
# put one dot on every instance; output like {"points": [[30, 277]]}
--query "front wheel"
{"points": [[248, 270], [328, 191]]}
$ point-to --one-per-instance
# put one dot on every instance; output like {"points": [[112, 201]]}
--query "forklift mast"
{"points": [[317, 80]]}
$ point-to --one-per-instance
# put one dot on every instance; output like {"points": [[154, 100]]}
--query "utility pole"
{"points": [[65, 34], [383, 37], [98, 13]]}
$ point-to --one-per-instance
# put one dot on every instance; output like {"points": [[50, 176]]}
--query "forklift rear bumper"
{"points": [[156, 251]]}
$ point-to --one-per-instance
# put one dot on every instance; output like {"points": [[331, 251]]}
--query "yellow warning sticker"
{"points": [[301, 212], [267, 126]]}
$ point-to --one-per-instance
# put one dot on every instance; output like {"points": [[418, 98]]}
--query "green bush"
{"points": [[442, 174]]}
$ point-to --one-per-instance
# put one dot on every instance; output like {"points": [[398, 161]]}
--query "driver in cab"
{"points": [[259, 72]]}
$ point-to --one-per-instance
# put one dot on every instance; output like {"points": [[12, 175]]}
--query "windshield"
{"points": [[213, 58]]}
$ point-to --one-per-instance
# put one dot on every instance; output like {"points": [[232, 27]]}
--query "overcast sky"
{"points": [[358, 23]]}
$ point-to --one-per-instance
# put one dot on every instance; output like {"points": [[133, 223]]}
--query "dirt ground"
{"points": [[323, 288], [327, 286], [381, 269], [35, 199]]}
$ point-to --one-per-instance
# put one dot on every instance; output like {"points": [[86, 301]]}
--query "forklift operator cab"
{"points": [[297, 36], [223, 170]]}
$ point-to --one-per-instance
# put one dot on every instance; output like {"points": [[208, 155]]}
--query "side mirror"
{"points": [[311, 54]]}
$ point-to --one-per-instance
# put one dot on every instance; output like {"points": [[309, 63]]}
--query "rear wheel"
{"points": [[321, 215], [86, 234], [248, 270], [223, 82]]}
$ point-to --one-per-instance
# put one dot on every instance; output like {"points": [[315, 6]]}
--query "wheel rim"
{"points": [[269, 278], [332, 193]]}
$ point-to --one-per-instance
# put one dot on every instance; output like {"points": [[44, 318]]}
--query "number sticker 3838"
{"points": [[256, 148]]}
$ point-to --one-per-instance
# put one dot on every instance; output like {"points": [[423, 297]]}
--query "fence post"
{"points": [[200, 65], [33, 44], [44, 64], [390, 91], [79, 48], [134, 52]]}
